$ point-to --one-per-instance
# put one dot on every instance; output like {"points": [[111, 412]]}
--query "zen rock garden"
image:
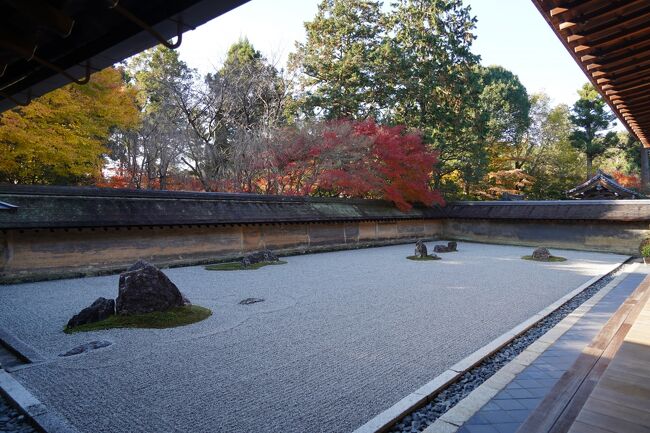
{"points": [[143, 290], [333, 321]]}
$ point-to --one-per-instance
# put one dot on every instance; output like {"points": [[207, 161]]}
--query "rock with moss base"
{"points": [[421, 250], [266, 256], [145, 289], [541, 254], [99, 310]]}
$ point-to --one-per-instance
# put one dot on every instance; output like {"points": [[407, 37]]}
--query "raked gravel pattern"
{"points": [[420, 419], [340, 337]]}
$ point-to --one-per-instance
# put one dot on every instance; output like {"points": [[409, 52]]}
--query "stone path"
{"points": [[511, 406]]}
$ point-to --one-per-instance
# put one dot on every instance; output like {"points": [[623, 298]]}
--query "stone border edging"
{"points": [[386, 419], [21, 349], [38, 414]]}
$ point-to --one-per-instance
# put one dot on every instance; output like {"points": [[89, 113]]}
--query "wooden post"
{"points": [[645, 170]]}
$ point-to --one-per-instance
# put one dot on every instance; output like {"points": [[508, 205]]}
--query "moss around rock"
{"points": [[238, 266], [423, 259], [177, 316], [550, 259]]}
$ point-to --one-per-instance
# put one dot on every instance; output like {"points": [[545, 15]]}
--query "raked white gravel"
{"points": [[340, 337]]}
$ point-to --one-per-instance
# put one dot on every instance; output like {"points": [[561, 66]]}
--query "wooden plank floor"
{"points": [[561, 408], [620, 402]]}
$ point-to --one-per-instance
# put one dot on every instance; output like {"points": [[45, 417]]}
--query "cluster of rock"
{"points": [[264, 256], [143, 288], [542, 254], [421, 249], [449, 248]]}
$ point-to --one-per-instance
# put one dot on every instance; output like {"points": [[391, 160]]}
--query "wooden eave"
{"points": [[610, 41]]}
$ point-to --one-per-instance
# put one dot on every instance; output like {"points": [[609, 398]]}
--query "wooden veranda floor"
{"points": [[608, 387]]}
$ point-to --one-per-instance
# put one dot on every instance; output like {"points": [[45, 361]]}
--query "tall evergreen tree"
{"points": [[337, 64], [591, 120], [433, 84]]}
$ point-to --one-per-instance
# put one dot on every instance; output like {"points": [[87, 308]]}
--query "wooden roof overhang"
{"points": [[45, 44], [610, 41]]}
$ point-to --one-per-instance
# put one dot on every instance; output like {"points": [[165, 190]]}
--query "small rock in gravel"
{"points": [[87, 347], [249, 301]]}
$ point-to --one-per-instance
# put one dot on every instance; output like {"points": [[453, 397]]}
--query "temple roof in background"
{"points": [[602, 187]]}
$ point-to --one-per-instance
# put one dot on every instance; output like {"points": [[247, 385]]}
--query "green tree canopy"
{"points": [[591, 120], [505, 100], [339, 61]]}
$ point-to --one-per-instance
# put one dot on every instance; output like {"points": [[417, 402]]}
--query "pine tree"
{"points": [[591, 119]]}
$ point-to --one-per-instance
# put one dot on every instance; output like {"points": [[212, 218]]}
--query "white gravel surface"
{"points": [[340, 337]]}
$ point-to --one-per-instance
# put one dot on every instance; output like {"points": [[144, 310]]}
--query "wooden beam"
{"points": [[624, 62], [640, 107], [641, 95], [557, 11], [574, 38], [637, 79], [566, 25], [595, 15], [620, 77], [624, 88], [626, 38], [621, 21]]}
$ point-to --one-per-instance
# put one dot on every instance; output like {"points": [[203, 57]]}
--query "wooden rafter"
{"points": [[610, 40]]}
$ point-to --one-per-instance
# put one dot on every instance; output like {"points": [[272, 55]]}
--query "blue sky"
{"points": [[511, 33]]}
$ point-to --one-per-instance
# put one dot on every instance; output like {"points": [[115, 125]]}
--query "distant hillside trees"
{"points": [[377, 101]]}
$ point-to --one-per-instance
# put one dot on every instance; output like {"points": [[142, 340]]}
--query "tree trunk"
{"points": [[589, 166], [645, 170]]}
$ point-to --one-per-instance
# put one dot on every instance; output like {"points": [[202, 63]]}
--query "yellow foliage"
{"points": [[61, 136]]}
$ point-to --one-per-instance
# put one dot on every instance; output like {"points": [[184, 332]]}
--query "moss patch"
{"points": [[237, 266], [422, 259], [550, 259], [172, 318]]}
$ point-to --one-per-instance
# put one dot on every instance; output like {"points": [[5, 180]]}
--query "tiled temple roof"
{"points": [[602, 186]]}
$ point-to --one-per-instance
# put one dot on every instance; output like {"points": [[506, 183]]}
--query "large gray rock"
{"points": [[420, 250], [101, 309], [541, 254], [259, 257], [449, 248], [146, 289]]}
